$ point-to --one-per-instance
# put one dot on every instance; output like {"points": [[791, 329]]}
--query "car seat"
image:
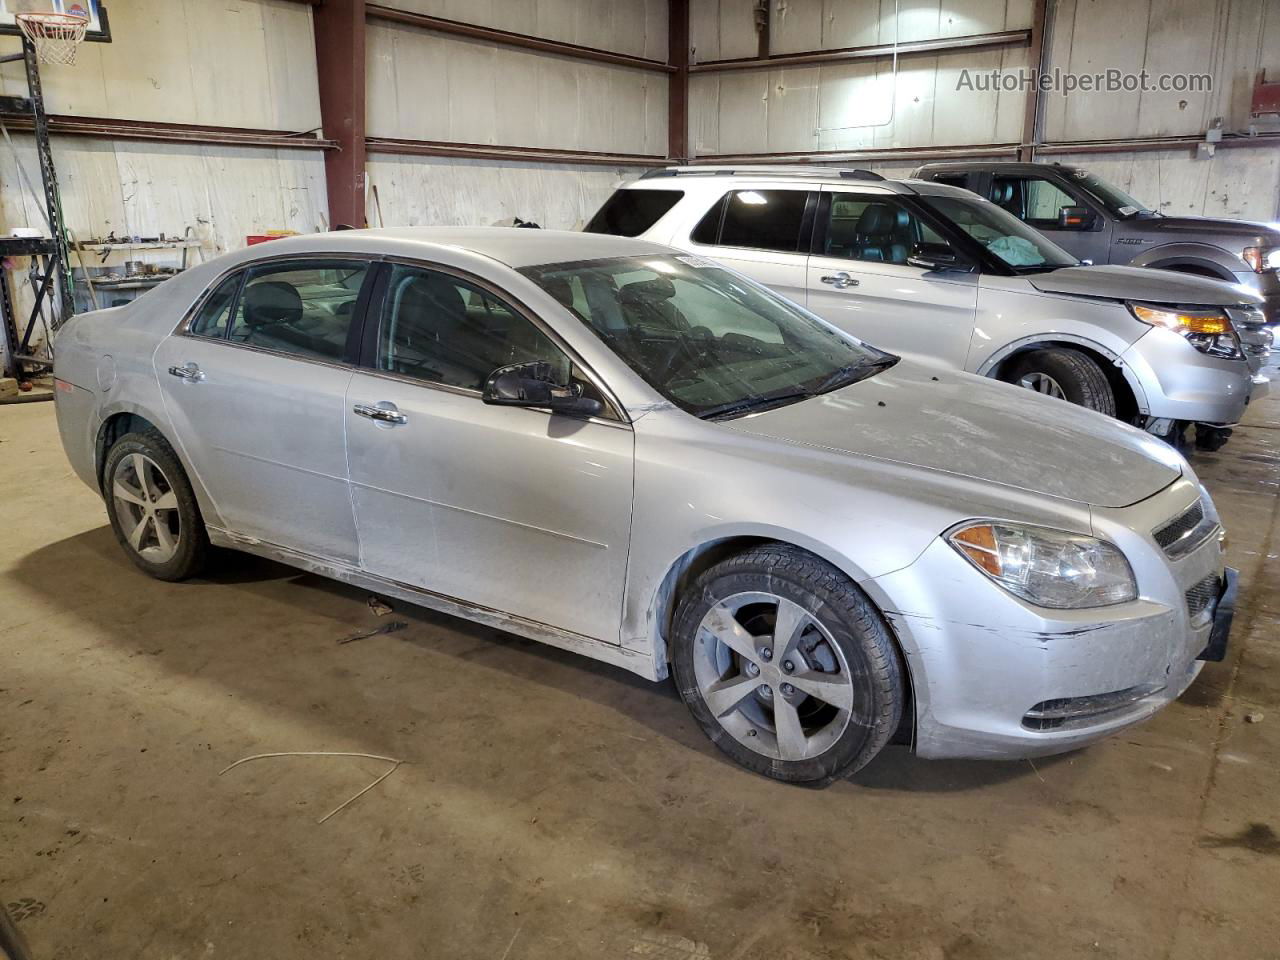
{"points": [[884, 234]]}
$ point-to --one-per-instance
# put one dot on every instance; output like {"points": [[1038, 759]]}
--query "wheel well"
{"points": [[1126, 402], [112, 429], [696, 561], [1196, 270]]}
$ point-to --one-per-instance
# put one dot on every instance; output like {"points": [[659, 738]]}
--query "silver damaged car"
{"points": [[619, 449]]}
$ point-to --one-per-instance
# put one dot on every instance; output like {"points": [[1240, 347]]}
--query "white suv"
{"points": [[941, 274]]}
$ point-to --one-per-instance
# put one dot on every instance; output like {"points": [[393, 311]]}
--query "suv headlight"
{"points": [[1050, 568], [1209, 331], [1261, 259]]}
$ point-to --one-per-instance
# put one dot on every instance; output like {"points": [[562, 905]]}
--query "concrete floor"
{"points": [[555, 808]]}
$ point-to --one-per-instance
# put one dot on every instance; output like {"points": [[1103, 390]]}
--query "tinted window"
{"points": [[629, 213], [445, 330], [951, 179], [303, 308], [764, 219], [877, 229], [212, 319], [708, 229]]}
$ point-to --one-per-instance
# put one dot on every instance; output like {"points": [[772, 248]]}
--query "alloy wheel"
{"points": [[147, 508], [772, 675], [1043, 383]]}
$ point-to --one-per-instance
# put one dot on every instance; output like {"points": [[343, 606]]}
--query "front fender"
{"points": [[1203, 256], [992, 363]]}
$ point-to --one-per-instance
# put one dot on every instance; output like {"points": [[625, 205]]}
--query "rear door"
{"points": [[255, 386], [761, 232], [860, 279], [514, 509]]}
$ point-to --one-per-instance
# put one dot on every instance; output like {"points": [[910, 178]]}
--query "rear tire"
{"points": [[1065, 373], [809, 687], [152, 507]]}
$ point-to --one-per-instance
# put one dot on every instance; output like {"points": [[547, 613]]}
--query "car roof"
{"points": [[799, 177], [513, 246], [1009, 166]]}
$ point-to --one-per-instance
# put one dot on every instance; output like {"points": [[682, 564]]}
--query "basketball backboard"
{"points": [[99, 28]]}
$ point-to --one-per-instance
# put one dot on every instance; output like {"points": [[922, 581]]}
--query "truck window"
{"points": [[1033, 200], [629, 213]]}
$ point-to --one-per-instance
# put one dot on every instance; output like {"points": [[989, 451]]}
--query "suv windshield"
{"points": [[1019, 246], [1110, 195], [710, 341]]}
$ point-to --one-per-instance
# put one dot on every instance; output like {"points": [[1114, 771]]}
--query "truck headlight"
{"points": [[1050, 568], [1209, 331], [1261, 259]]}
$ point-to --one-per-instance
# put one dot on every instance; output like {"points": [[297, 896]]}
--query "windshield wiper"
{"points": [[852, 373], [753, 403]]}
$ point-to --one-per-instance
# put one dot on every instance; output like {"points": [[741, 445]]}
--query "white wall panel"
{"points": [[245, 63], [636, 27], [428, 191], [429, 86]]}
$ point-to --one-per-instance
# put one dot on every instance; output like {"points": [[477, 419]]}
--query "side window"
{"points": [[213, 317], [876, 229], [303, 308], [1032, 199], [444, 330], [759, 220], [629, 213]]}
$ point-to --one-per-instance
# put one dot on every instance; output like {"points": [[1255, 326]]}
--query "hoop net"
{"points": [[56, 36]]}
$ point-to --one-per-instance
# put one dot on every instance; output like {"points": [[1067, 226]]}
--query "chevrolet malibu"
{"points": [[641, 456]]}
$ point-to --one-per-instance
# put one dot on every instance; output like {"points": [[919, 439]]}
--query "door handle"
{"points": [[189, 372], [840, 280], [379, 414]]}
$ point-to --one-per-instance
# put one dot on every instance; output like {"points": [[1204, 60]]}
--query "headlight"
{"points": [[1209, 331], [1050, 568], [1261, 259]]}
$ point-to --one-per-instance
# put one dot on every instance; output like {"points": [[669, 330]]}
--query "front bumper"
{"points": [[1267, 286], [994, 677], [1181, 383]]}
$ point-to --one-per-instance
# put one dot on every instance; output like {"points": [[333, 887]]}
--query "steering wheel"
{"points": [[694, 343]]}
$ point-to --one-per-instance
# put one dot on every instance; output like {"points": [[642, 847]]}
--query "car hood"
{"points": [[1142, 283], [968, 426], [1210, 228]]}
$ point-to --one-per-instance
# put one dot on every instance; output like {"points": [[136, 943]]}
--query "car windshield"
{"points": [[709, 340], [1019, 246], [1110, 195]]}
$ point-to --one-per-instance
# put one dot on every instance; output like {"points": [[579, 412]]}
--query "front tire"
{"points": [[152, 507], [1066, 374], [787, 666]]}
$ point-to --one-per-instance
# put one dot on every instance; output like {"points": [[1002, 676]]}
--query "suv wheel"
{"points": [[1066, 374], [152, 508], [787, 666]]}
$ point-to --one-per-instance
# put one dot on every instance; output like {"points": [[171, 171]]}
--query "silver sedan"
{"points": [[636, 454]]}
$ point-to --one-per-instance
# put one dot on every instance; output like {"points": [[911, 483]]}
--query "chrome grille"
{"points": [[1202, 594], [1184, 532]]}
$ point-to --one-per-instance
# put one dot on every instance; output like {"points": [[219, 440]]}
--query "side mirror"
{"points": [[532, 385], [1075, 218], [935, 256]]}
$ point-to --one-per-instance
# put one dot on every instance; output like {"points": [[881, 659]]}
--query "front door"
{"points": [[255, 389], [513, 509], [860, 280], [1037, 201]]}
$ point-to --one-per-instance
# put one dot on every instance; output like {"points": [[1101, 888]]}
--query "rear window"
{"points": [[629, 213], [758, 219]]}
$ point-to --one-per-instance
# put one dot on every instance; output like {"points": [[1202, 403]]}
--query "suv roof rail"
{"points": [[842, 173]]}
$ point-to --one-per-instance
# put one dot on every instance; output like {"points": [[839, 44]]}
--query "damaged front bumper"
{"points": [[995, 677]]}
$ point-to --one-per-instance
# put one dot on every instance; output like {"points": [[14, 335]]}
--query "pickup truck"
{"points": [[1100, 223]]}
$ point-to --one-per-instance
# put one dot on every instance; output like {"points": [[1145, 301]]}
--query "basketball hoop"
{"points": [[56, 36]]}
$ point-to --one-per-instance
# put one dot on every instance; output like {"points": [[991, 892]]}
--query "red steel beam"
{"points": [[488, 151], [678, 85], [1036, 60], [1271, 140], [340, 64], [161, 132], [977, 41], [506, 38]]}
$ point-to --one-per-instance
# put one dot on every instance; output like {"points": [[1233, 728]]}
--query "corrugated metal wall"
{"points": [[424, 85]]}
